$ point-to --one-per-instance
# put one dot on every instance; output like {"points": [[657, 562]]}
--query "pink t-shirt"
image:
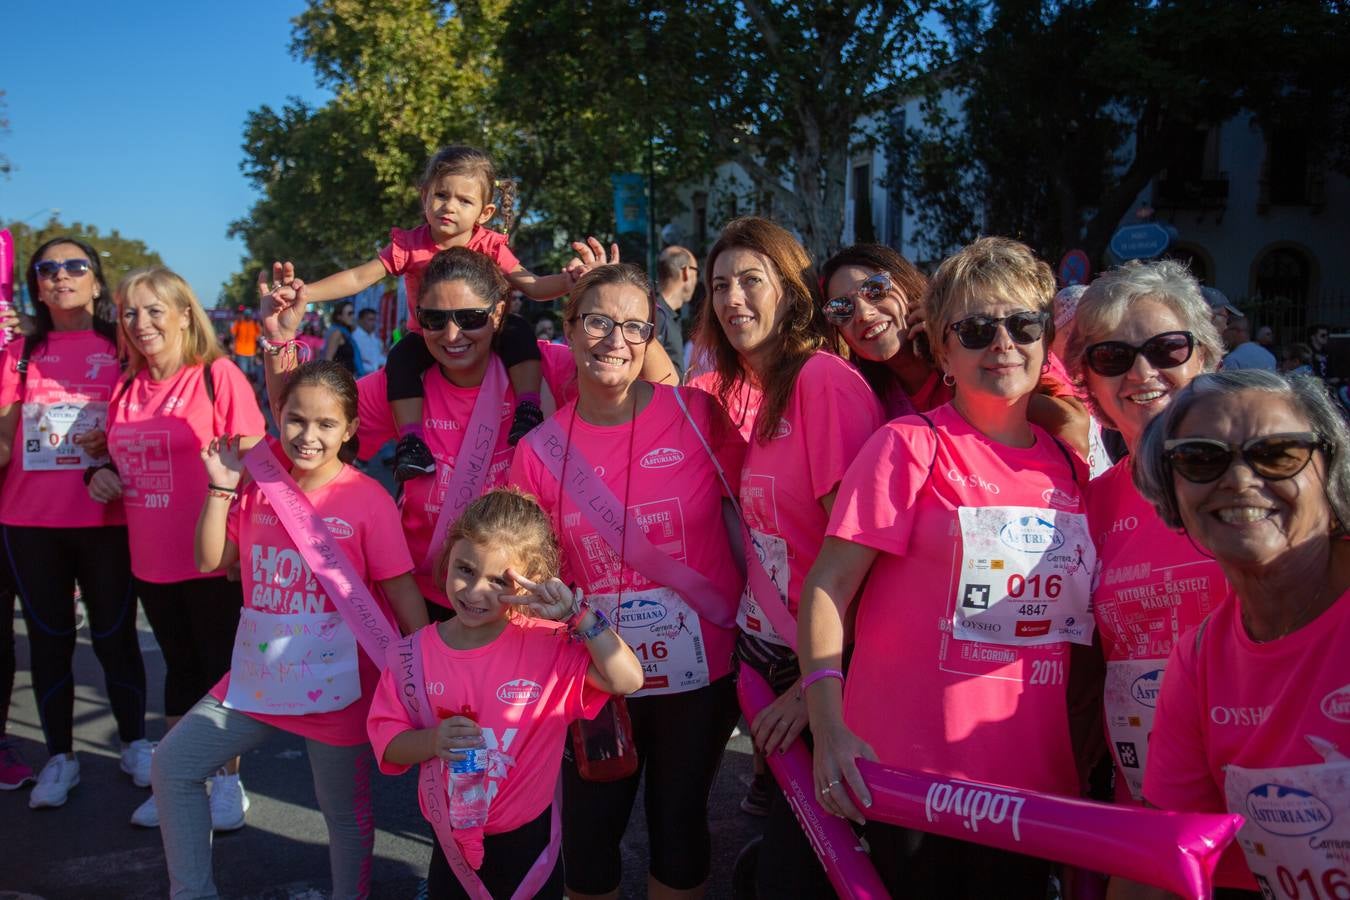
{"points": [[524, 689], [71, 367], [1228, 700], [920, 697], [829, 417], [742, 406], [1154, 586], [445, 414], [409, 251], [675, 493], [560, 372], [156, 438], [361, 515]]}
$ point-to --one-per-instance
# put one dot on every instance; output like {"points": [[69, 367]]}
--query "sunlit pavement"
{"points": [[87, 849]]}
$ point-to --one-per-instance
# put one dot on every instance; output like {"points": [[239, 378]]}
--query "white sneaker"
{"points": [[228, 803], [146, 815], [58, 776], [136, 761]]}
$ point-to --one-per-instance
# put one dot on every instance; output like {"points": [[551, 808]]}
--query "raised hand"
{"points": [[551, 600], [281, 302], [224, 461], [590, 253]]}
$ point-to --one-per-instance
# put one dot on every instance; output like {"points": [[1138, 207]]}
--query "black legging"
{"points": [[194, 623], [6, 640], [46, 563]]}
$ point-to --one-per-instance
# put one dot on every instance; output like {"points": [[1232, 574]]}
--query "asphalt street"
{"points": [[87, 850]]}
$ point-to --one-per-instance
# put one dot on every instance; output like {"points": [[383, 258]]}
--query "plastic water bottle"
{"points": [[468, 789]]}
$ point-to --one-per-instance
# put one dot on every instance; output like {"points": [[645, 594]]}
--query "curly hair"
{"points": [[506, 517]]}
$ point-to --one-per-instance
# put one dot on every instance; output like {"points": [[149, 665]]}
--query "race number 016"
{"points": [[1018, 585], [1335, 884]]}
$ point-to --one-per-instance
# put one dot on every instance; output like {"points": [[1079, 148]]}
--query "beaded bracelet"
{"points": [[224, 493], [598, 627], [302, 352]]}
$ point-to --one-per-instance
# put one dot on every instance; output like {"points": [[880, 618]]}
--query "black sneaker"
{"points": [[756, 799], [528, 416], [412, 459]]}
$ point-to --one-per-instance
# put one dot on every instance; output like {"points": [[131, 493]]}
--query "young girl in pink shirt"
{"points": [[505, 679], [296, 665]]}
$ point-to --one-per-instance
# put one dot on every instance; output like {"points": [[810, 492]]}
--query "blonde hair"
{"points": [[992, 267], [201, 347], [506, 517]]}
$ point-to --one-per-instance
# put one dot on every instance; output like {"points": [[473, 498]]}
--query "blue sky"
{"points": [[129, 115]]}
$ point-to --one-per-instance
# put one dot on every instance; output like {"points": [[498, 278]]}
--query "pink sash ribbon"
{"points": [[475, 457], [380, 640], [607, 515], [431, 784], [761, 585], [1175, 851]]}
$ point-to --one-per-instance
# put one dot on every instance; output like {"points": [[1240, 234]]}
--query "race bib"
{"points": [[665, 633], [49, 431], [293, 664], [1296, 836], [1026, 576], [1132, 690], [772, 553]]}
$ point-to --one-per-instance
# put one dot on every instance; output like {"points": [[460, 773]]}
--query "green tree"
{"points": [[117, 254], [1067, 110]]}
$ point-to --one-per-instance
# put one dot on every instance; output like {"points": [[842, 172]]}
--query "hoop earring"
{"points": [[948, 380]]}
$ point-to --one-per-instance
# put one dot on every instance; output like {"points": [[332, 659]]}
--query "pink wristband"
{"points": [[819, 675]]}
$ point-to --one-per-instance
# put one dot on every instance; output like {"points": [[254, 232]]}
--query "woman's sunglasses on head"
{"points": [[841, 309], [465, 319], [1163, 351], [978, 332], [74, 267], [1274, 457]]}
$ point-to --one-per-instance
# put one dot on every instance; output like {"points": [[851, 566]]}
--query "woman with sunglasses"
{"points": [[1254, 714], [875, 300], [55, 385], [763, 331], [968, 526], [178, 394], [1142, 332], [646, 444]]}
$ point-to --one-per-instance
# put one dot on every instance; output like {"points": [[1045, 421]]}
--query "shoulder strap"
{"points": [[209, 381], [933, 428], [30, 343]]}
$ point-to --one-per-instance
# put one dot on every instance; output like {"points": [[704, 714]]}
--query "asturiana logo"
{"points": [[1031, 534], [1146, 688], [1287, 811], [641, 611], [975, 804], [339, 528], [1059, 499], [662, 458], [781, 430], [519, 692], [1336, 705]]}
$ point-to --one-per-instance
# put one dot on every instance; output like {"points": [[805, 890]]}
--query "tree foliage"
{"points": [[1067, 110], [118, 255]]}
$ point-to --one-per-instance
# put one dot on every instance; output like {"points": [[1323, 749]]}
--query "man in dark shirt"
{"points": [[676, 279]]}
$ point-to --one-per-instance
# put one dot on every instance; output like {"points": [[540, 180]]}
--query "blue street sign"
{"points": [[1140, 241]]}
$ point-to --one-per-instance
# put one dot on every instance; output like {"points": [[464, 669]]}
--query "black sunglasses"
{"points": [[1274, 457], [840, 310], [75, 267], [634, 331], [1163, 351], [466, 319], [978, 332]]}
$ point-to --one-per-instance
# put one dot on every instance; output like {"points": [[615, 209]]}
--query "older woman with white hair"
{"points": [[1142, 332], [1254, 717]]}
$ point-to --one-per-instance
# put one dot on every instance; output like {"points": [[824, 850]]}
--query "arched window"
{"points": [[1284, 273]]}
